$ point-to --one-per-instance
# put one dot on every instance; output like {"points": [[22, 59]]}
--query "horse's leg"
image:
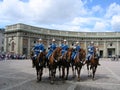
{"points": [[37, 75], [54, 72], [88, 69], [94, 70], [59, 71], [49, 73], [63, 72], [73, 71], [78, 72], [67, 72], [37, 72], [41, 72], [91, 70], [33, 63], [52, 76]]}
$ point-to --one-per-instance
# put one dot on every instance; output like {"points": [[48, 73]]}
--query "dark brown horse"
{"points": [[65, 62], [53, 61], [92, 65], [78, 62], [39, 64]]}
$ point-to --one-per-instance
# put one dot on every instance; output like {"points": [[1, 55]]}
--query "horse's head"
{"points": [[82, 54], [31, 54], [69, 53], [57, 53]]}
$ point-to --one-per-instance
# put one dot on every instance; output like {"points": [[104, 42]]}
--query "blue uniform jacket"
{"points": [[38, 48], [52, 47], [77, 48], [90, 50], [74, 53], [64, 48]]}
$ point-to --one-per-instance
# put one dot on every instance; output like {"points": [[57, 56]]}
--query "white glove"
{"points": [[74, 47], [40, 50], [89, 49]]}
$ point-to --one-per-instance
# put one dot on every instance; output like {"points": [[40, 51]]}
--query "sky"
{"points": [[68, 15]]}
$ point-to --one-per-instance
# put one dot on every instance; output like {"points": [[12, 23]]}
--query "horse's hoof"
{"points": [[93, 79], [66, 78], [38, 80], [78, 79], [63, 80], [51, 82], [89, 75], [73, 77], [60, 76]]}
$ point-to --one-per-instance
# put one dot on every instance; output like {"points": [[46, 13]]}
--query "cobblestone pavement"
{"points": [[19, 75]]}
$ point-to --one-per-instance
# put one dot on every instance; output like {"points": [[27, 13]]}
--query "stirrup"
{"points": [[55, 60], [98, 64]]}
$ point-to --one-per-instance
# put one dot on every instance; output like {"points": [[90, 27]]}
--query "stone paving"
{"points": [[19, 75]]}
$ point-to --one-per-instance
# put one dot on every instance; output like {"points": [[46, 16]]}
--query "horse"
{"points": [[40, 64], [65, 62], [92, 65], [78, 62], [53, 60]]}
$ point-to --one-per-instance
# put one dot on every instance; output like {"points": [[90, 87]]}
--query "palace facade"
{"points": [[20, 39]]}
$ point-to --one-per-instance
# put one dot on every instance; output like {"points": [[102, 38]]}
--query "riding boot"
{"points": [[47, 63], [33, 64], [98, 63], [85, 62]]}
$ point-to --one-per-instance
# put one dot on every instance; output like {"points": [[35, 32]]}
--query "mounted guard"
{"points": [[92, 51], [64, 47], [51, 48], [76, 49], [38, 48]]}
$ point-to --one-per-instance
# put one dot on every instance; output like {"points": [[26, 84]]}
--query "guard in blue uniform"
{"points": [[90, 51], [76, 50], [51, 48], [39, 47], [64, 47]]}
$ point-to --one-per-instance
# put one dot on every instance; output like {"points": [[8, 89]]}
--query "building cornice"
{"points": [[38, 30]]}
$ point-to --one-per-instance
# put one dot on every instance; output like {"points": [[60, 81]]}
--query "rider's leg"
{"points": [[87, 58], [98, 60]]}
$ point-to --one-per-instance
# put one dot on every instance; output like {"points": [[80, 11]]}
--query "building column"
{"points": [[21, 45], [117, 48], [85, 46], [6, 44], [48, 43], [29, 49], [105, 50]]}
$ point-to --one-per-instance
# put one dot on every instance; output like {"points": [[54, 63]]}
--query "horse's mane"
{"points": [[70, 49], [56, 51]]}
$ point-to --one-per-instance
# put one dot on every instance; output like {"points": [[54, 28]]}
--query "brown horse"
{"points": [[65, 62], [39, 64], [92, 65], [78, 62], [53, 60]]}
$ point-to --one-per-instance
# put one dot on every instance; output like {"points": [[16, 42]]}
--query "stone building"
{"points": [[2, 40], [20, 38]]}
